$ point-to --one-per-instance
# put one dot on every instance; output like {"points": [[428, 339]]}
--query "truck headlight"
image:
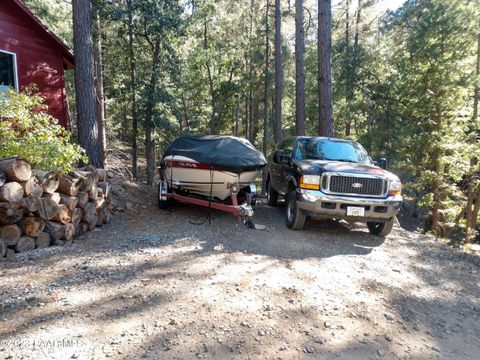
{"points": [[394, 187], [310, 182]]}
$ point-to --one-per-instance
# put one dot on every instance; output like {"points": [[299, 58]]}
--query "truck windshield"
{"points": [[327, 149]]}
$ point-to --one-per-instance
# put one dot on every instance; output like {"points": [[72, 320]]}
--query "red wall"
{"points": [[39, 59]]}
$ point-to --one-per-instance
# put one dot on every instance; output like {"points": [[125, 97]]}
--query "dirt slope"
{"points": [[152, 285]]}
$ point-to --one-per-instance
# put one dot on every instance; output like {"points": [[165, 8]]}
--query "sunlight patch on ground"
{"points": [[83, 297]]}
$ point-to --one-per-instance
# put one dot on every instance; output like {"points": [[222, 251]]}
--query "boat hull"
{"points": [[183, 173]]}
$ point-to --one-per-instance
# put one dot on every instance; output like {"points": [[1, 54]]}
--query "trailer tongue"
{"points": [[244, 211]]}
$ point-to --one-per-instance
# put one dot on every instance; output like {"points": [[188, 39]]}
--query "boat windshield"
{"points": [[329, 149]]}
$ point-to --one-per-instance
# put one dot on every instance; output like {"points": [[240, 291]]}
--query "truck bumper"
{"points": [[315, 203]]}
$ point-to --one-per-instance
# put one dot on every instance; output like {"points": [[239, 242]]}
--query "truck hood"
{"points": [[321, 166]]}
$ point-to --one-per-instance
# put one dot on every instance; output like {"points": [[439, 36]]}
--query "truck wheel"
{"points": [[272, 195], [162, 204], [380, 228], [294, 216]]}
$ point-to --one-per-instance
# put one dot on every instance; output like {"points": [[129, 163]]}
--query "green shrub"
{"points": [[26, 130]]}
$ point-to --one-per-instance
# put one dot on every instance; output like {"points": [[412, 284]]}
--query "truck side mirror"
{"points": [[279, 157], [382, 162]]}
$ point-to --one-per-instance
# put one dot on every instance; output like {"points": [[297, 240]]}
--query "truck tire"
{"points": [[380, 228], [294, 216], [162, 204], [272, 195]]}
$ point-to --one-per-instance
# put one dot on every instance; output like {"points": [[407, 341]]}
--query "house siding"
{"points": [[39, 59]]}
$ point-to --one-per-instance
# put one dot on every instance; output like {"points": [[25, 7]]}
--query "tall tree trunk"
{"points": [[299, 69], [84, 80], [125, 123], [476, 96], [437, 183], [347, 63], [265, 94], [358, 19], [133, 90], [324, 53], [473, 191], [354, 63], [213, 117], [347, 25], [237, 115], [246, 115], [250, 78], [184, 127], [277, 122], [149, 126], [255, 126], [100, 96]]}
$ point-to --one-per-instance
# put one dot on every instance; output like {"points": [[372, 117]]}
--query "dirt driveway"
{"points": [[152, 285]]}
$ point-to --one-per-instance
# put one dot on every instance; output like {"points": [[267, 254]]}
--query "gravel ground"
{"points": [[152, 285]]}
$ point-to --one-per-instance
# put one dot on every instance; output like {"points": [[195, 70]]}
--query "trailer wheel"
{"points": [[162, 189]]}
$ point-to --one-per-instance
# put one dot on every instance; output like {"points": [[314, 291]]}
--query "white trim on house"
{"points": [[15, 67]]}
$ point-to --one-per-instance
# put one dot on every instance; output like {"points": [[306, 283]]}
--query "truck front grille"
{"points": [[366, 186]]}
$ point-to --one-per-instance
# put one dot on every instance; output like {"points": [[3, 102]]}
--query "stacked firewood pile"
{"points": [[40, 208]]}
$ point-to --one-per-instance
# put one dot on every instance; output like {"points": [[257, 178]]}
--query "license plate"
{"points": [[355, 211]]}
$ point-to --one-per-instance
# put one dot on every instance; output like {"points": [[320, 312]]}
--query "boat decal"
{"points": [[190, 165]]}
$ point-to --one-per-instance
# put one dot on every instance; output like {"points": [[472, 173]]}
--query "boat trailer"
{"points": [[243, 211]]}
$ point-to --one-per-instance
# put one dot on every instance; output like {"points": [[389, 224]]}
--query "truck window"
{"points": [[327, 149], [286, 146]]}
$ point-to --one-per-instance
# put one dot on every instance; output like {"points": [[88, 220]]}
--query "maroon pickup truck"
{"points": [[332, 178]]}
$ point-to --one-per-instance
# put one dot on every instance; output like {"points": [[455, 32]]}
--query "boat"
{"points": [[213, 167]]}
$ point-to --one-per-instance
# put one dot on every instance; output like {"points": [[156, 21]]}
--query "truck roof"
{"points": [[322, 137]]}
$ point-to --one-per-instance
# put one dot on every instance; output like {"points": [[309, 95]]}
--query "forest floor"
{"points": [[152, 285]]}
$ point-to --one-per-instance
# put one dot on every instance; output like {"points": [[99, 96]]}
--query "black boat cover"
{"points": [[226, 152]]}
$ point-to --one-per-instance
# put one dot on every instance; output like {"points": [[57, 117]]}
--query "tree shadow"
{"points": [[203, 252], [319, 239]]}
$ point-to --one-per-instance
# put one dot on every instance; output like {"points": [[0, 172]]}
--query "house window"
{"points": [[8, 71]]}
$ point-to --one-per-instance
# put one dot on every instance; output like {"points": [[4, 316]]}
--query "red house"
{"points": [[30, 53]]}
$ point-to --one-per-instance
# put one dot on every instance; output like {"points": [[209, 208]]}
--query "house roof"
{"points": [[67, 53]]}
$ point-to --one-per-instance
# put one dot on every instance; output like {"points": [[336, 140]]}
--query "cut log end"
{"points": [[25, 243], [70, 201], [63, 215], [43, 240], [29, 204], [76, 214], [87, 178], [32, 187], [55, 196], [31, 226], [69, 185], [56, 230], [68, 232], [10, 234], [82, 199], [11, 192], [10, 213], [48, 180], [47, 208], [16, 169]]}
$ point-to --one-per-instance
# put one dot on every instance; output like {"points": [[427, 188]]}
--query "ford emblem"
{"points": [[357, 185]]}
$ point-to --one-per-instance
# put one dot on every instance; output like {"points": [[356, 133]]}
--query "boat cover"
{"points": [[221, 152]]}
